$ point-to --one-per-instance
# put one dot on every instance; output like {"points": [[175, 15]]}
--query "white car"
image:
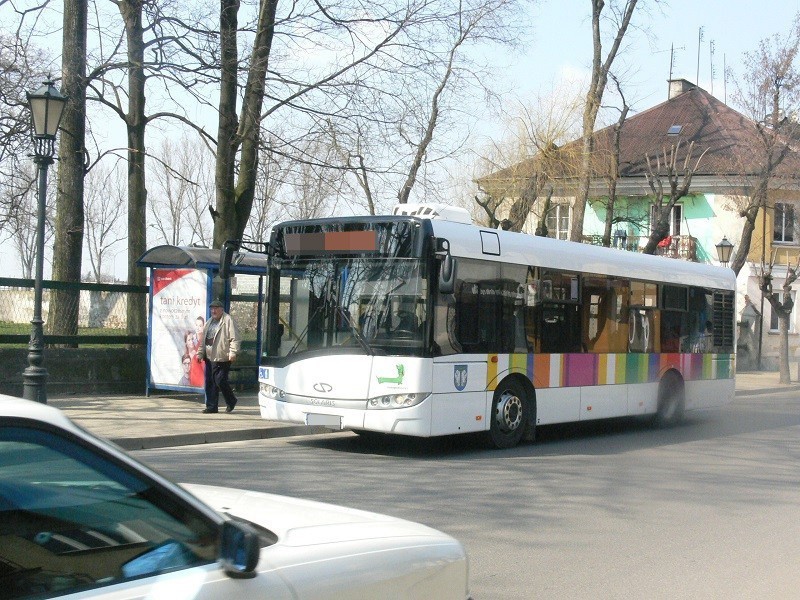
{"points": [[79, 518]]}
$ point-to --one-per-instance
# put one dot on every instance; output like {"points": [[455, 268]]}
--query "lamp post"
{"points": [[47, 106], [724, 250]]}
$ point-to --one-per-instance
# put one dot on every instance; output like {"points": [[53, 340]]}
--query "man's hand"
{"points": [[232, 358]]}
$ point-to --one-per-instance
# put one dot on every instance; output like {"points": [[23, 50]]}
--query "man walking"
{"points": [[219, 344]]}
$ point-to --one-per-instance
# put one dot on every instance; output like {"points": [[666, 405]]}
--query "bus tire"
{"points": [[510, 414], [671, 401]]}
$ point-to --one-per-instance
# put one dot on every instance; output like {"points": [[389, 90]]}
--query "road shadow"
{"points": [[602, 437]]}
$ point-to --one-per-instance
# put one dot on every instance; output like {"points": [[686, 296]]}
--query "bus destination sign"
{"points": [[331, 241]]}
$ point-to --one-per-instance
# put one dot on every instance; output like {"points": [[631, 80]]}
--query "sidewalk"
{"points": [[164, 419]]}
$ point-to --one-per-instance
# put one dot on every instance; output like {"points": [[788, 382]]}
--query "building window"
{"points": [[773, 317], [675, 217], [783, 229], [558, 221]]}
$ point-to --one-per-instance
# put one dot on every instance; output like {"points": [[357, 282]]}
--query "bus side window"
{"points": [[604, 314], [560, 328], [558, 321]]}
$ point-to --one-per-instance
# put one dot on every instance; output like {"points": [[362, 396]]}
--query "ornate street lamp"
{"points": [[724, 250], [47, 106]]}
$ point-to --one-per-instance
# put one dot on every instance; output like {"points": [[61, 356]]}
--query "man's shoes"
{"points": [[207, 411], [229, 408]]}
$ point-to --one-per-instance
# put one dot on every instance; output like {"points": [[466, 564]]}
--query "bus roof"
{"points": [[491, 244]]}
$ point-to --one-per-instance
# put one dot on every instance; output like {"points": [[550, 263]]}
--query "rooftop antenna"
{"points": [[711, 53], [699, 40], [672, 49], [724, 79]]}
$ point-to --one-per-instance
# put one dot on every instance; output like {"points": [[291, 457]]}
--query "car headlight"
{"points": [[395, 401], [270, 391]]}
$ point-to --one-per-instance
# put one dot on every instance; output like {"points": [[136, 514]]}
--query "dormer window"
{"points": [[674, 130]]}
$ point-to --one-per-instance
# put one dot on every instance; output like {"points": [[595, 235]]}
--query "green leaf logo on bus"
{"points": [[398, 380]]}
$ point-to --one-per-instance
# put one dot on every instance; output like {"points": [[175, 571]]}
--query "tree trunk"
{"points": [[660, 231], [746, 238], [234, 202], [594, 97], [68, 245], [137, 190], [783, 347], [227, 144]]}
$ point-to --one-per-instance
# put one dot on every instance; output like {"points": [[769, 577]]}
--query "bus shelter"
{"points": [[183, 280]]}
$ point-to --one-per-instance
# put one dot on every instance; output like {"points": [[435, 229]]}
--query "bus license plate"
{"points": [[332, 421]]}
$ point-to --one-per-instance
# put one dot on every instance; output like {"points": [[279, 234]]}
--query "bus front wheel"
{"points": [[509, 415]]}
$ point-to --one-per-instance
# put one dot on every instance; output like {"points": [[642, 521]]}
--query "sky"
{"points": [[560, 49], [562, 46]]}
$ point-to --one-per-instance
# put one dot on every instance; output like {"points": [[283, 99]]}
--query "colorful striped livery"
{"points": [[579, 370]]}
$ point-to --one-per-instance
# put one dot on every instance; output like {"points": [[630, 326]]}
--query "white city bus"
{"points": [[423, 324]]}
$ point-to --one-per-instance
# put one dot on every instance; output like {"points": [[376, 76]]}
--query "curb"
{"points": [[787, 387], [215, 437]]}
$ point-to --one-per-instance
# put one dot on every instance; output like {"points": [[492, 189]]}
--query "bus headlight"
{"points": [[395, 401], [270, 391]]}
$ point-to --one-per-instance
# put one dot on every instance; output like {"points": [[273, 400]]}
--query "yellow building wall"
{"points": [[762, 245]]}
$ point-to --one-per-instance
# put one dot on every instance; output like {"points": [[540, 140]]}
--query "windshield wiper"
{"points": [[356, 333]]}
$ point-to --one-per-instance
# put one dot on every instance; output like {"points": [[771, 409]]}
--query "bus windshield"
{"points": [[346, 304]]}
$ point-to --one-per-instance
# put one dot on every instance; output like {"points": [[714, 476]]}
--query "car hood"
{"points": [[299, 522]]}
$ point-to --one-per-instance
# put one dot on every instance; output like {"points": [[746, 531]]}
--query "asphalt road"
{"points": [[710, 509]]}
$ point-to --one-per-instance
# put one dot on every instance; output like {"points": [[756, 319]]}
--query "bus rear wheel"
{"points": [[671, 401], [509, 416]]}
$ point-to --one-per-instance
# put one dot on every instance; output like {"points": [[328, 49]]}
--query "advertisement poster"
{"points": [[178, 315]]}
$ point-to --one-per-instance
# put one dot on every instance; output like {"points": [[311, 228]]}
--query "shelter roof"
{"points": [[200, 258]]}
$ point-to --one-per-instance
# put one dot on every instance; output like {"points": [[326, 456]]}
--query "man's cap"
{"points": [[216, 303]]}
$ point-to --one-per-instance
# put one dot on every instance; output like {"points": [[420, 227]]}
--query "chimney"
{"points": [[679, 86]]}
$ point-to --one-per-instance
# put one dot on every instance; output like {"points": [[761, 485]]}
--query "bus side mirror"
{"points": [[225, 258], [447, 267]]}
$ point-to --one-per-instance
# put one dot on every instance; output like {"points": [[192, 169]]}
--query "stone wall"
{"points": [[79, 370]]}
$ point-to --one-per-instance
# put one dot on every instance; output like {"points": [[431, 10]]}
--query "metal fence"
{"points": [[102, 310], [684, 247]]}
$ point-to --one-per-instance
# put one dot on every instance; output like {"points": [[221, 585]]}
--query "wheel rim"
{"points": [[508, 414]]}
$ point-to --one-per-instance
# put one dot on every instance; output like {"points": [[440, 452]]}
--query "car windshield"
{"points": [[371, 306], [71, 519]]}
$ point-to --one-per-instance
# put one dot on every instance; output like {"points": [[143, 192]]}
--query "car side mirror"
{"points": [[239, 549]]}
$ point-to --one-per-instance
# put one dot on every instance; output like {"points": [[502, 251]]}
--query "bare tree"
{"points": [[594, 98], [365, 90], [266, 208], [105, 212], [315, 185], [782, 305], [152, 45], [613, 171], [678, 181], [539, 160], [21, 224], [769, 92], [23, 67], [465, 27], [181, 180]]}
